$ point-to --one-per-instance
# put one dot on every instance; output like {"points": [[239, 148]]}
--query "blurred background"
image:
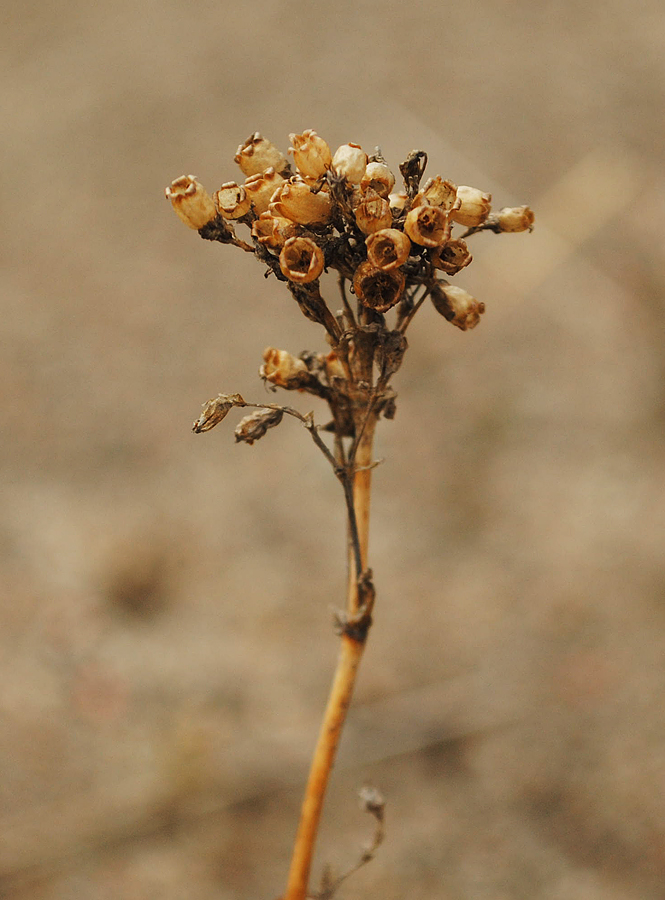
{"points": [[166, 642]]}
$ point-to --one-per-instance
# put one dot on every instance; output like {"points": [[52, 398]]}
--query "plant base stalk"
{"points": [[350, 654], [322, 762]]}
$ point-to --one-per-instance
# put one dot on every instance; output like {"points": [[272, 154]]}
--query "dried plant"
{"points": [[391, 252]]}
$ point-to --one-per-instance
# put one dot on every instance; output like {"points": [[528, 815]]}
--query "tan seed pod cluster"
{"points": [[341, 210]]}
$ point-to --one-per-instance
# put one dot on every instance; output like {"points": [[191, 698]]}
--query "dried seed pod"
{"points": [[457, 305], [388, 248], [254, 426], [232, 200], [257, 154], [427, 226], [283, 369], [350, 161], [261, 188], [515, 218], [376, 288], [474, 206], [215, 410], [295, 201], [273, 231], [452, 257], [379, 178], [191, 201], [437, 192], [301, 260], [373, 213], [311, 153], [398, 200]]}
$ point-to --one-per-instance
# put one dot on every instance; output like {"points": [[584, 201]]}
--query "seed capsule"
{"points": [[232, 200], [427, 225], [257, 154], [261, 188], [474, 206], [373, 213], [457, 305], [273, 231], [388, 248], [437, 192], [191, 201], [295, 201], [379, 178], [283, 369], [350, 161], [311, 154], [254, 426], [377, 288], [214, 411], [452, 257], [515, 218], [301, 260], [398, 200]]}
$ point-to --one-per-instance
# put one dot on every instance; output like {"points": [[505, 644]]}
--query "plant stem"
{"points": [[350, 654]]}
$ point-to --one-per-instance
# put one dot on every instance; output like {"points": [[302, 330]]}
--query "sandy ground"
{"points": [[166, 643]]}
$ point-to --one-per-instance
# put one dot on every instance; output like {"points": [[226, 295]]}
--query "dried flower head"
{"points": [[314, 221], [191, 201]]}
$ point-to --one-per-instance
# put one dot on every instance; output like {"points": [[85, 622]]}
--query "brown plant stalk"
{"points": [[391, 250], [350, 654]]}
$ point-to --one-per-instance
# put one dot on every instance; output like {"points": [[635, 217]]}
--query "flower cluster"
{"points": [[392, 249], [341, 211]]}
